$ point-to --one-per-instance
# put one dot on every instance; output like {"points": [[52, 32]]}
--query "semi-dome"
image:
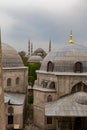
{"points": [[10, 57], [35, 58], [65, 58], [81, 98]]}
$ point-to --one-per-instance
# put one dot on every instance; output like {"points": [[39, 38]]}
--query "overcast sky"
{"points": [[42, 20]]}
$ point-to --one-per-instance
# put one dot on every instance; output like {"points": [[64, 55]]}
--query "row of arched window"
{"points": [[78, 67], [9, 81], [48, 84], [79, 87]]}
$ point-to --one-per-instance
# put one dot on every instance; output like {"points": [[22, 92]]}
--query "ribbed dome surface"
{"points": [[65, 58], [81, 98], [35, 58], [10, 57]]}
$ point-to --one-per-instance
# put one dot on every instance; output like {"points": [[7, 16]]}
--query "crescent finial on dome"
{"points": [[70, 40]]}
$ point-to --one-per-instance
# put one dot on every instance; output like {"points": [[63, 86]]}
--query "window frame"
{"points": [[9, 82], [49, 98], [78, 67], [50, 66], [17, 80]]}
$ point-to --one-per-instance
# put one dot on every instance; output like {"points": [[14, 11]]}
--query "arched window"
{"points": [[52, 85], [9, 82], [49, 98], [50, 66], [10, 110], [44, 83], [79, 87], [17, 80], [78, 67]]}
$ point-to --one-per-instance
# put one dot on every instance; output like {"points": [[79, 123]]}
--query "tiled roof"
{"points": [[70, 105], [10, 57], [64, 58], [14, 98]]}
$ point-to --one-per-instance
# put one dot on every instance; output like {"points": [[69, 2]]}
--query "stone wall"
{"points": [[2, 108], [13, 74]]}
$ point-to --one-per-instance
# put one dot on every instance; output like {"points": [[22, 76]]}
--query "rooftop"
{"points": [[14, 98], [70, 105], [10, 57]]}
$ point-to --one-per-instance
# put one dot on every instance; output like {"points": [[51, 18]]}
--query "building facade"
{"points": [[15, 83], [60, 91]]}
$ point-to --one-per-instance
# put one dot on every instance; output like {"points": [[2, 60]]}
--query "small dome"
{"points": [[65, 58], [39, 52], [10, 57], [34, 59], [81, 98]]}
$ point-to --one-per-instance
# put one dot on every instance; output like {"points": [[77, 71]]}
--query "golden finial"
{"points": [[70, 40]]}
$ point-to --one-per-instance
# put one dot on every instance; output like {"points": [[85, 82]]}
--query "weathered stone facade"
{"points": [[15, 83], [59, 101], [13, 73]]}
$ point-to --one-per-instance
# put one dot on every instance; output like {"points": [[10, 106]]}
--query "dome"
{"points": [[10, 57], [40, 52], [81, 98], [34, 59], [64, 59]]}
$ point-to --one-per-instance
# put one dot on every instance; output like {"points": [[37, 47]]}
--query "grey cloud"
{"points": [[39, 25]]}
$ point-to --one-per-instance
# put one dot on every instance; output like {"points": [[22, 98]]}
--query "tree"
{"points": [[32, 76]]}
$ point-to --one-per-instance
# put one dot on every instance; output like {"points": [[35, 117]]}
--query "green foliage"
{"points": [[32, 76], [30, 99], [32, 67]]}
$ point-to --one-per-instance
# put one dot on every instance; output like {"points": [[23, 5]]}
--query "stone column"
{"points": [[2, 108]]}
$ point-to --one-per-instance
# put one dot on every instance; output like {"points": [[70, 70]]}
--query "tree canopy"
{"points": [[32, 67], [32, 76]]}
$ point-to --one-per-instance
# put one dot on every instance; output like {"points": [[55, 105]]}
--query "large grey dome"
{"points": [[10, 57], [65, 58]]}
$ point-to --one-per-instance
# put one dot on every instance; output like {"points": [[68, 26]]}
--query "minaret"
{"points": [[2, 107], [49, 45], [70, 40], [29, 48]]}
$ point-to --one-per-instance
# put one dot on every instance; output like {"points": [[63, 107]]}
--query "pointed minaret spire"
{"points": [[70, 40], [49, 45], [29, 48]]}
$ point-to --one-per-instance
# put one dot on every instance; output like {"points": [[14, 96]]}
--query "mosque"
{"points": [[60, 91]]}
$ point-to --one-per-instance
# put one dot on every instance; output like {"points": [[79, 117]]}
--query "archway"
{"points": [[79, 87]]}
